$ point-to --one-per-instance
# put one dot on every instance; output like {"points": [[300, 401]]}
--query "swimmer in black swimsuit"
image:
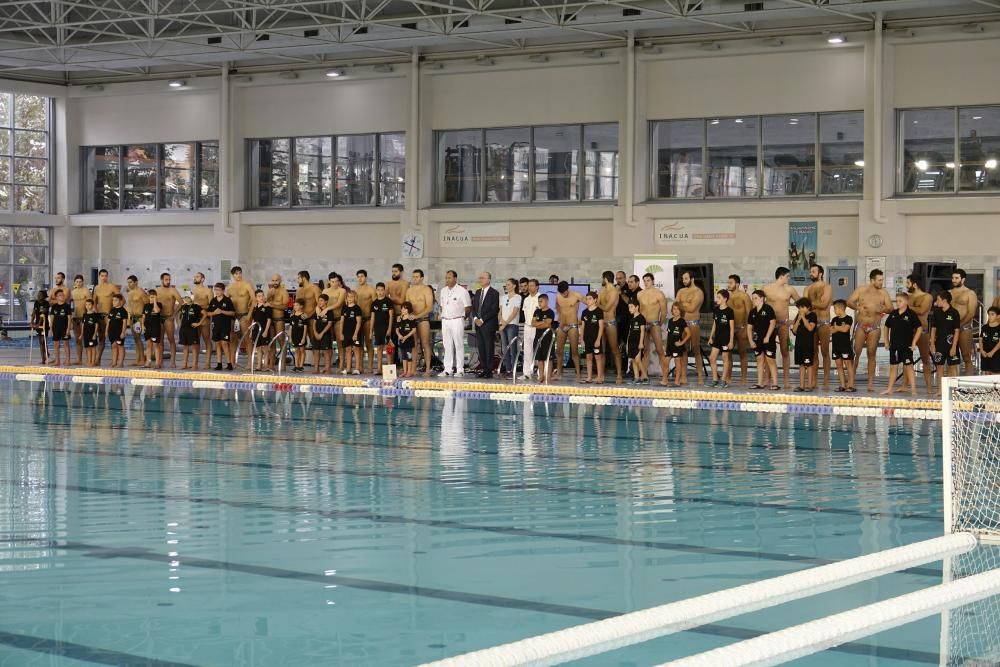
{"points": [[593, 338], [152, 331], [59, 315], [116, 327]]}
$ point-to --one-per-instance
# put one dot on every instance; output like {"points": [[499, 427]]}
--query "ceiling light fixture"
{"points": [[433, 65], [334, 73], [738, 120], [774, 41], [977, 118], [921, 165], [593, 53], [483, 61], [538, 58], [991, 163], [973, 28], [715, 121], [289, 75], [176, 83], [710, 46], [836, 38], [384, 68], [859, 163], [949, 165]]}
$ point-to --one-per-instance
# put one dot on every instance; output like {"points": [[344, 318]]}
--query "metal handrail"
{"points": [[283, 336], [503, 355], [239, 345], [548, 359]]}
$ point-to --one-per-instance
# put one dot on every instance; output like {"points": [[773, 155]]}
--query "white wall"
{"points": [[947, 73]]}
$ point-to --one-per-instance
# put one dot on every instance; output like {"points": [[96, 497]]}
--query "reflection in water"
{"points": [[237, 499]]}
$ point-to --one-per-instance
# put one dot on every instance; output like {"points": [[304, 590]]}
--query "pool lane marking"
{"points": [[65, 649], [440, 523], [139, 553]]}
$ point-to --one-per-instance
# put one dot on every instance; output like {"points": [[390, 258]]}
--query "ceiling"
{"points": [[88, 41]]}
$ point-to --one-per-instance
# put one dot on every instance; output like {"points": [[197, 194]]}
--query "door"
{"points": [[843, 279]]}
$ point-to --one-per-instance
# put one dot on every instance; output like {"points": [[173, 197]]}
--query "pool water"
{"points": [[162, 526]]}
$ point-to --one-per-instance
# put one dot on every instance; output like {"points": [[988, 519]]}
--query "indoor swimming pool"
{"points": [[164, 526]]}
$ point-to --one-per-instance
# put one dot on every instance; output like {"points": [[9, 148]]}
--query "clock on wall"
{"points": [[413, 245], [875, 241]]}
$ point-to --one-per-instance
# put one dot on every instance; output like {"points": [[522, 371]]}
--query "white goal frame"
{"points": [[947, 412]]}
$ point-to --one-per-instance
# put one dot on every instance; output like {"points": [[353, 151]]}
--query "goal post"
{"points": [[971, 467]]}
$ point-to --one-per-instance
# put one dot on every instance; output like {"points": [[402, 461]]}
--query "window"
{"points": [[677, 151], [600, 144], [24, 269], [979, 149], [758, 156], [928, 150], [324, 171], [24, 153], [392, 169], [180, 176], [460, 165], [842, 153], [508, 169], [789, 155], [553, 163], [732, 157]]}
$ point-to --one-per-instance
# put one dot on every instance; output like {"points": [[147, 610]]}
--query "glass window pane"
{"points": [[313, 168], [789, 155], [272, 172], [6, 290], [732, 157], [30, 112], [508, 155], [6, 234], [460, 155], [979, 148], [5, 196], [557, 162], [31, 144], [392, 169], [37, 236], [208, 191], [29, 171], [4, 140], [140, 177], [677, 150], [178, 176], [842, 153], [5, 105], [356, 170], [600, 176], [25, 280], [4, 169], [30, 198], [103, 177], [31, 254], [928, 137]]}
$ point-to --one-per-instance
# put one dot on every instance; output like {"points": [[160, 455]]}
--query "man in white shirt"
{"points": [[455, 306], [529, 305]]}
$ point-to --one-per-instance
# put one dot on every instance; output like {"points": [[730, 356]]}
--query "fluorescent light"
{"points": [[176, 83], [859, 163], [990, 164], [921, 165], [949, 165], [836, 38], [977, 118], [334, 73], [738, 120], [715, 121]]}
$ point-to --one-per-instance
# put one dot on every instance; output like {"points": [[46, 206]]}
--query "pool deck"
{"points": [[732, 399]]}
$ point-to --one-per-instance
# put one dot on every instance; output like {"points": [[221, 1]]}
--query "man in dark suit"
{"points": [[486, 310]]}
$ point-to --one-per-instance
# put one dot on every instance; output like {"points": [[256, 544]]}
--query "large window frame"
{"points": [[20, 265], [578, 187], [378, 178], [955, 164], [195, 185], [817, 167], [8, 181]]}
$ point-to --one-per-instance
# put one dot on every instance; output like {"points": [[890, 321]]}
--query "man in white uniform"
{"points": [[529, 304], [455, 306]]}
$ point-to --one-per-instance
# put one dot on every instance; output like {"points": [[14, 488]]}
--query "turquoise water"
{"points": [[182, 527]]}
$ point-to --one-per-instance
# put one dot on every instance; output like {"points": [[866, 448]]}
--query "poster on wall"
{"points": [[802, 238], [673, 233], [475, 235], [662, 268]]}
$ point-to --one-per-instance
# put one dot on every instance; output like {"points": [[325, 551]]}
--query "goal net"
{"points": [[971, 421], [970, 634]]}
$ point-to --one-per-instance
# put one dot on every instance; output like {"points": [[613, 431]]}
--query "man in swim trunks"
{"points": [[780, 295], [135, 304], [336, 295], [820, 295], [396, 288], [945, 329], [740, 302], [365, 295], [920, 304], [608, 300], [104, 293], [653, 307], [421, 297], [170, 300], [79, 295], [240, 292], [965, 301], [59, 285], [870, 304], [691, 297], [568, 315], [201, 294]]}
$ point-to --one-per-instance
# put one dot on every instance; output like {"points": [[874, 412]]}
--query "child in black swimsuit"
{"points": [[152, 329], [60, 314], [261, 316], [91, 321], [405, 333], [117, 326], [298, 333], [593, 337]]}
